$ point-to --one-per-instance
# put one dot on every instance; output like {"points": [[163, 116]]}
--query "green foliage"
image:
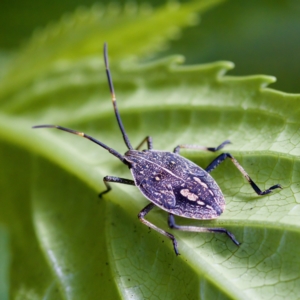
{"points": [[65, 243]]}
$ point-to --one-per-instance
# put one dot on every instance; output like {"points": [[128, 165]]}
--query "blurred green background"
{"points": [[259, 36]]}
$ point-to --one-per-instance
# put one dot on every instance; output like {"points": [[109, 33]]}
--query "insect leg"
{"points": [[198, 147], [173, 225], [141, 217], [147, 139], [223, 156], [108, 179]]}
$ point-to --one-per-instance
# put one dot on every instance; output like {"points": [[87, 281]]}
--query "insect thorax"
{"points": [[176, 184]]}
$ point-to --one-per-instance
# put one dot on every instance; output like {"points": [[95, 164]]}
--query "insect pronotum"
{"points": [[170, 181]]}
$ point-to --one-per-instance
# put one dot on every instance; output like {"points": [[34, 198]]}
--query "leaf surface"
{"points": [[68, 244]]}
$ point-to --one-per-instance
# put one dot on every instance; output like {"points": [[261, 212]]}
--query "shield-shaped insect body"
{"points": [[176, 184]]}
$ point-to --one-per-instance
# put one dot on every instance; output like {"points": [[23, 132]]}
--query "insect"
{"points": [[170, 181]]}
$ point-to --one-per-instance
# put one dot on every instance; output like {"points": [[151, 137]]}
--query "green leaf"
{"points": [[83, 33], [66, 243], [4, 263]]}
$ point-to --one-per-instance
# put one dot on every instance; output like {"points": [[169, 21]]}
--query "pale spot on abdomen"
{"points": [[186, 193]]}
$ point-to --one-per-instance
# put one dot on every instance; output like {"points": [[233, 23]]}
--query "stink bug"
{"points": [[170, 181]]}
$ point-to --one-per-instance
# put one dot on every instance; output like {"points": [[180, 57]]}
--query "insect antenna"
{"points": [[113, 98], [82, 134], [114, 101]]}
